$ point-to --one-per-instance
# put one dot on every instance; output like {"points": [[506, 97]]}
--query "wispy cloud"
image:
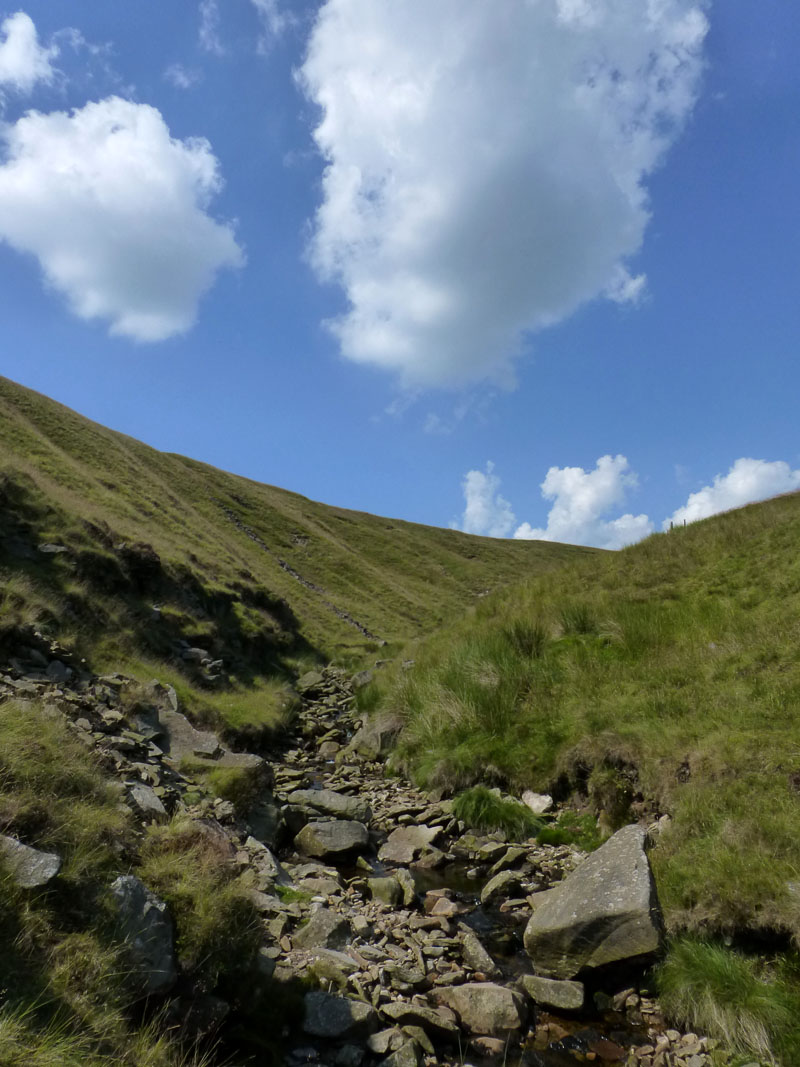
{"points": [[24, 62], [208, 34], [181, 77]]}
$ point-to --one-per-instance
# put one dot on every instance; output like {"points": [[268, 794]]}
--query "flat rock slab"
{"points": [[407, 842], [567, 996], [485, 1008], [28, 866], [179, 739], [325, 929], [605, 910], [331, 839], [439, 1023], [329, 802], [330, 1016]]}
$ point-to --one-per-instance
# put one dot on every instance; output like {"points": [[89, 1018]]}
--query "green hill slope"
{"points": [[151, 552], [666, 677]]}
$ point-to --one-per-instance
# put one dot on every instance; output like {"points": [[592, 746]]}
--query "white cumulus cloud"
{"points": [[748, 480], [486, 512], [486, 165], [23, 61], [115, 211], [582, 501]]}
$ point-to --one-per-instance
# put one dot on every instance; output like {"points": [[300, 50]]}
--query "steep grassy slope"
{"points": [[160, 549], [662, 679]]}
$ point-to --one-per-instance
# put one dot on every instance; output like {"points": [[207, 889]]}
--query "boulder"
{"points": [[485, 1008], [146, 927], [475, 955], [376, 738], [332, 839], [605, 910], [429, 1019], [387, 890], [329, 802], [146, 802], [500, 886], [28, 866], [538, 803], [309, 683], [567, 996], [406, 843], [325, 929], [332, 1017]]}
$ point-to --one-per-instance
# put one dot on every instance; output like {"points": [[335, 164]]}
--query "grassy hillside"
{"points": [[161, 549], [661, 679]]}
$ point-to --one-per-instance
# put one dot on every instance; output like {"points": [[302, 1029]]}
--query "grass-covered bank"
{"points": [[662, 679], [69, 993]]}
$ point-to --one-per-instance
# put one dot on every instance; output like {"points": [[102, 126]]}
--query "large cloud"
{"points": [[748, 480], [23, 61], [486, 165], [115, 210], [582, 500]]}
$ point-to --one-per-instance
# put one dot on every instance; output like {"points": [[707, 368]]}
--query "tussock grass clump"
{"points": [[752, 1007], [54, 795], [218, 929], [570, 828], [484, 809]]}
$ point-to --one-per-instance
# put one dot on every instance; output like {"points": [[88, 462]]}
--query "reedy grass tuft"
{"points": [[752, 1007], [484, 809]]}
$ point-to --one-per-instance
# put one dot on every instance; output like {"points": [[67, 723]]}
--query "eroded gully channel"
{"points": [[394, 905]]}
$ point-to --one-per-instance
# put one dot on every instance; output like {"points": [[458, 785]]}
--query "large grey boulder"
{"points": [[329, 802], [145, 925], [605, 910], [485, 1008], [331, 839], [28, 866], [330, 1016]]}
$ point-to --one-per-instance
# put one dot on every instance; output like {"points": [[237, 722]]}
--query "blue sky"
{"points": [[555, 244]]}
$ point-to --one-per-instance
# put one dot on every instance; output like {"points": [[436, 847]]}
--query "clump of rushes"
{"points": [[483, 809], [751, 1006], [529, 638]]}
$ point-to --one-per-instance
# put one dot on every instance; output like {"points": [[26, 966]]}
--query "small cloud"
{"points": [[209, 28], [181, 77], [23, 61], [747, 481], [116, 211], [486, 512], [274, 19]]}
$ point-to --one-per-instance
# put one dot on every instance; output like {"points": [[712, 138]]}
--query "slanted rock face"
{"points": [[331, 839], [146, 926], [325, 929], [605, 910], [329, 1016], [407, 842], [28, 866], [329, 802]]}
